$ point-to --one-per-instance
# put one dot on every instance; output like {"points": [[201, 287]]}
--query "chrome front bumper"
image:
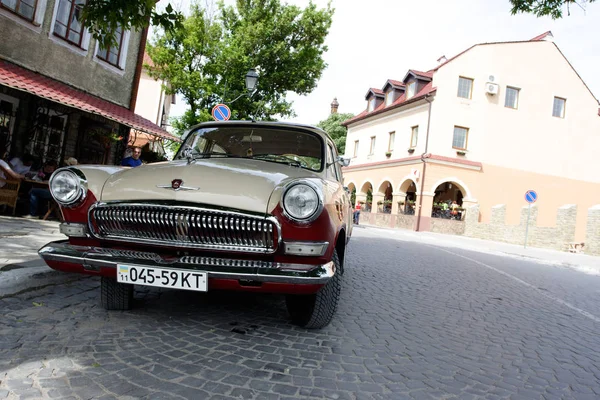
{"points": [[94, 258]]}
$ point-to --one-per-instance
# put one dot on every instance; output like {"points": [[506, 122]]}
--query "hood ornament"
{"points": [[177, 184]]}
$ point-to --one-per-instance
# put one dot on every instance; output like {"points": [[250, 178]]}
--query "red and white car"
{"points": [[251, 206]]}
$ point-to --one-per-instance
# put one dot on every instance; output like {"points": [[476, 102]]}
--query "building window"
{"points": [[411, 89], [414, 137], [67, 24], [391, 141], [23, 8], [112, 54], [465, 87], [461, 135], [389, 97], [355, 148], [372, 150], [558, 110], [512, 97], [48, 137]]}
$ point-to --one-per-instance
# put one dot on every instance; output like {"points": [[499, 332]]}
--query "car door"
{"points": [[341, 198]]}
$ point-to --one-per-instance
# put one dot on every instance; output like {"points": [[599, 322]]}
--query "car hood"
{"points": [[237, 183]]}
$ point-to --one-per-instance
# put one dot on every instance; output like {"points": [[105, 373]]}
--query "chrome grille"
{"points": [[183, 227]]}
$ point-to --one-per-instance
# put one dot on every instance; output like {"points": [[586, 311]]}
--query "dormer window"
{"points": [[411, 89], [371, 105], [389, 97]]}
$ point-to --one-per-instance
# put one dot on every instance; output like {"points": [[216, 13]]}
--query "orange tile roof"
{"points": [[39, 85]]}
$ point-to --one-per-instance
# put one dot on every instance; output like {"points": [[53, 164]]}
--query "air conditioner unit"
{"points": [[492, 78], [491, 88]]}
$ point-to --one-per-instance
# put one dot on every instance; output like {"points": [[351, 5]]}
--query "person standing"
{"points": [[134, 159]]}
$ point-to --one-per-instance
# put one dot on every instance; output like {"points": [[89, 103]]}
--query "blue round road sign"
{"points": [[221, 112], [531, 196]]}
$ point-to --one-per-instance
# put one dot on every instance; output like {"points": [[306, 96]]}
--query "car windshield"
{"points": [[280, 145]]}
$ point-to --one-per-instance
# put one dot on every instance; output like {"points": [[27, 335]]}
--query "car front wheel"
{"points": [[115, 295], [316, 311]]}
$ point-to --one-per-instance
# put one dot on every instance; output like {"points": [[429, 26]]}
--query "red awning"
{"points": [[48, 88]]}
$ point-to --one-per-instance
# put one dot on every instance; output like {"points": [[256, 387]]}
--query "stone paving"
{"points": [[21, 238], [415, 322]]}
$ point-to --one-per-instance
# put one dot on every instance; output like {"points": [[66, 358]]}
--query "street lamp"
{"points": [[251, 78]]}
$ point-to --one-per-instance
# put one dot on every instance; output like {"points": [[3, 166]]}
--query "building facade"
{"points": [[480, 129], [154, 104], [61, 94]]}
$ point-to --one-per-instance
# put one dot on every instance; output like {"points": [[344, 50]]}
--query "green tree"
{"points": [[542, 8], [103, 17], [206, 58], [333, 126]]}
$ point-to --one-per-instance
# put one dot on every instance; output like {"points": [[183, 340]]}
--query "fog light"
{"points": [[305, 248], [75, 230]]}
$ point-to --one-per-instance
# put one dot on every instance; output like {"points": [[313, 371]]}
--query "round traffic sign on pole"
{"points": [[531, 196], [221, 112]]}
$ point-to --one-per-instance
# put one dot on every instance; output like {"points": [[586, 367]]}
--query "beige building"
{"points": [[62, 94], [481, 128], [154, 105]]}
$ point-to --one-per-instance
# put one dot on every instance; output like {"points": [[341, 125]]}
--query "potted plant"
{"points": [[461, 152], [388, 154], [411, 150]]}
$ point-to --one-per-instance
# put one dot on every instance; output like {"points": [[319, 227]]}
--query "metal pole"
{"points": [[527, 226]]}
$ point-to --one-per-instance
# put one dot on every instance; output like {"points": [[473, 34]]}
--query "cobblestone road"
{"points": [[415, 322]]}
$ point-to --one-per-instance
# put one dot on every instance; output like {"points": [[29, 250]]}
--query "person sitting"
{"points": [[46, 171], [70, 162], [22, 166], [37, 194], [6, 172], [134, 159]]}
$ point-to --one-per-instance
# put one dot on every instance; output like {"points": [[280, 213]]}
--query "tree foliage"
{"points": [[206, 58], [542, 8], [333, 126], [103, 17]]}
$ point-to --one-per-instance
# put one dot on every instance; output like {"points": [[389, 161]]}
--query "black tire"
{"points": [[115, 295], [315, 311]]}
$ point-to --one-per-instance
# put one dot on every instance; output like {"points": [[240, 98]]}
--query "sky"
{"points": [[372, 41]]}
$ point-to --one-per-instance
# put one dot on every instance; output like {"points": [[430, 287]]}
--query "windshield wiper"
{"points": [[214, 153], [279, 158]]}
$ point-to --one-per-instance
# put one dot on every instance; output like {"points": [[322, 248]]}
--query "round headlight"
{"points": [[301, 202], [67, 188]]}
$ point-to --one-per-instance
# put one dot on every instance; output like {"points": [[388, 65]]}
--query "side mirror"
{"points": [[345, 161]]}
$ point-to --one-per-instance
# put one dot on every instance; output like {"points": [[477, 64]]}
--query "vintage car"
{"points": [[252, 206]]}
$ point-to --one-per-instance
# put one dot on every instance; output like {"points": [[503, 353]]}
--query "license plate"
{"points": [[162, 277]]}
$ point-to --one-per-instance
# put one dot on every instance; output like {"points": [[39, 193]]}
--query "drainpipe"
{"points": [[423, 156]]}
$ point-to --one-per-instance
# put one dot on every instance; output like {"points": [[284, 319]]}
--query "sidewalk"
{"points": [[21, 268], [581, 262]]}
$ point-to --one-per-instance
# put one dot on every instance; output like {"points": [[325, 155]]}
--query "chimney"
{"points": [[334, 106], [442, 60]]}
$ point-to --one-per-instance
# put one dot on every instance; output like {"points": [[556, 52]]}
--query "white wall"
{"points": [[528, 138], [400, 122], [149, 99]]}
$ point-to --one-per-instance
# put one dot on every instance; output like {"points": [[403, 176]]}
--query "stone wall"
{"points": [[382, 220], [557, 237], [448, 226], [592, 237]]}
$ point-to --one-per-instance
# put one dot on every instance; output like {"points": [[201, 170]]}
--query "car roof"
{"points": [[269, 124]]}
